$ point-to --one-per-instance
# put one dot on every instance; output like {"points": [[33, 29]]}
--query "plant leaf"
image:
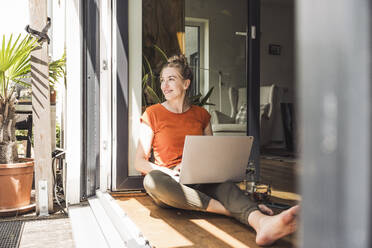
{"points": [[148, 65], [205, 98], [145, 78], [164, 56], [153, 96]]}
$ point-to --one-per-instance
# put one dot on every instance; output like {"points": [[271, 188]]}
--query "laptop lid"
{"points": [[215, 159]]}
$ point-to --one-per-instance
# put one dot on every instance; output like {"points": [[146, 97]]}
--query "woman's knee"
{"points": [[227, 186], [155, 182]]}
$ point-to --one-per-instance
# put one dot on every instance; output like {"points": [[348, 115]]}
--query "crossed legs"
{"points": [[226, 199]]}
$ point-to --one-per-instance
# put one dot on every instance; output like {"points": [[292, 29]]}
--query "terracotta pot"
{"points": [[15, 184]]}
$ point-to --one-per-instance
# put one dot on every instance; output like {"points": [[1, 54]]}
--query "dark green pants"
{"points": [[167, 192]]}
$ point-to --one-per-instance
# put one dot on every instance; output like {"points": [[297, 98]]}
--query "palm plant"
{"points": [[15, 66]]}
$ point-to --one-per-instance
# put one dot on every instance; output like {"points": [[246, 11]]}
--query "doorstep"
{"points": [[102, 223]]}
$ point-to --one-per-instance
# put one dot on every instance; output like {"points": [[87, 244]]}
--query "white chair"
{"points": [[223, 124]]}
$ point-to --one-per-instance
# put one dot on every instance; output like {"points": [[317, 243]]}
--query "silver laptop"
{"points": [[215, 159]]}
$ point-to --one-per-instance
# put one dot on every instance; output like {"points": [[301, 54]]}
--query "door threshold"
{"points": [[103, 223]]}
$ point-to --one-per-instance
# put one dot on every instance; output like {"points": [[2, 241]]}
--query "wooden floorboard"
{"points": [[181, 228]]}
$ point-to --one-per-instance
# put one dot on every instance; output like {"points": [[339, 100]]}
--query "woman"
{"points": [[163, 128]]}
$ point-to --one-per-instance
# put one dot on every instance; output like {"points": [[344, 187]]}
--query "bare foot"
{"points": [[271, 228]]}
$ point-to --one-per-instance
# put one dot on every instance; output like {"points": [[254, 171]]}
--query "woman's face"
{"points": [[172, 83]]}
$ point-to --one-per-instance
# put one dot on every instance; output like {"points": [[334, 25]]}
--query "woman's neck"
{"points": [[176, 106]]}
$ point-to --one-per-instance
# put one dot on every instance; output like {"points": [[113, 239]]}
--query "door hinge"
{"points": [[105, 65]]}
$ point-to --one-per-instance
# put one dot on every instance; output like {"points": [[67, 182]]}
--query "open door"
{"points": [[124, 12], [222, 58], [91, 99]]}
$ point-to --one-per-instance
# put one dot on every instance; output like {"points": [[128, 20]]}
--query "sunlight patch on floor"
{"points": [[286, 195], [218, 233], [153, 228]]}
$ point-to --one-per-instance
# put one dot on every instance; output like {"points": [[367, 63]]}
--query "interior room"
{"points": [[215, 42], [277, 68]]}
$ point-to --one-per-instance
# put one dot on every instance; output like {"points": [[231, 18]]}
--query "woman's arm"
{"points": [[208, 130], [143, 152]]}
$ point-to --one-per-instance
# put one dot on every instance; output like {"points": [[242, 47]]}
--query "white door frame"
{"points": [[74, 99], [105, 74], [204, 50]]}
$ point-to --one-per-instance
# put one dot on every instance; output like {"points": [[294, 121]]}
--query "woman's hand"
{"points": [[175, 174], [265, 209], [208, 130], [177, 168]]}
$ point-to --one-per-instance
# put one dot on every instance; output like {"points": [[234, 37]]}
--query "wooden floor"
{"points": [[179, 228], [281, 173]]}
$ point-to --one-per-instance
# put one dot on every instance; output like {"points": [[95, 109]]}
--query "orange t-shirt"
{"points": [[170, 130]]}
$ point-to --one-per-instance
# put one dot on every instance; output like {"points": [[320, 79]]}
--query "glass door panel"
{"points": [[215, 45]]}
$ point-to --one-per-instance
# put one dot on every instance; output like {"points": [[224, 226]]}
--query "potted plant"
{"points": [[16, 174]]}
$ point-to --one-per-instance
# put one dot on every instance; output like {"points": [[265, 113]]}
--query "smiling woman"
{"points": [[164, 128]]}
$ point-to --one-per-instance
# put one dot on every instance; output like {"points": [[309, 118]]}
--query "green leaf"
{"points": [[148, 65], [205, 98], [196, 97], [15, 63], [164, 56], [57, 69], [153, 83], [153, 96], [209, 104], [145, 78], [14, 60]]}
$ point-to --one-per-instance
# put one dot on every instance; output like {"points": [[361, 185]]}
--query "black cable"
{"points": [[56, 154]]}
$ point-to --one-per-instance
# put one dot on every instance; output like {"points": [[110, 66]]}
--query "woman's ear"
{"points": [[187, 84]]}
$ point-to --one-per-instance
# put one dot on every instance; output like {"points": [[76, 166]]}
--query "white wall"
{"points": [[226, 50]]}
